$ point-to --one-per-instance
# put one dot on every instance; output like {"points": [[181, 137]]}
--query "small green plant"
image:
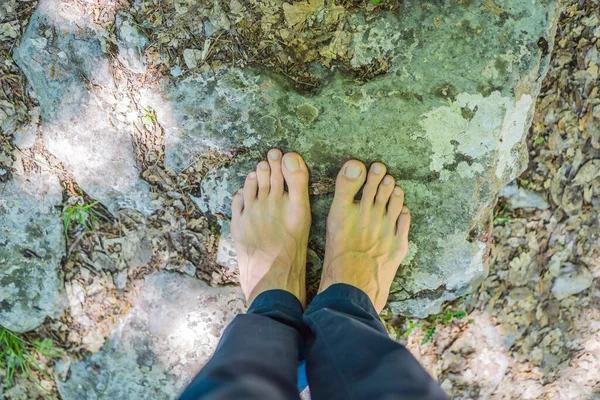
{"points": [[539, 140], [16, 355], [375, 1], [502, 216], [443, 318], [148, 116], [432, 324], [502, 220], [411, 327], [81, 214], [46, 348]]}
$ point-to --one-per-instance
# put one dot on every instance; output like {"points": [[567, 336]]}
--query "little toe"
{"points": [[295, 173], [376, 174], [349, 180], [250, 189], [237, 204], [277, 186], [384, 191], [263, 176], [395, 204], [403, 224]]}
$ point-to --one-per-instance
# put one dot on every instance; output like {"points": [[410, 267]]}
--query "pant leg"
{"points": [[257, 357], [350, 356]]}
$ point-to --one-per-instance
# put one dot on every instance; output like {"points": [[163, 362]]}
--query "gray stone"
{"points": [[423, 305], [169, 334], [226, 253], [523, 198], [31, 247], [192, 57], [26, 135], [219, 186], [571, 280], [188, 268], [11, 116], [84, 129], [132, 250], [449, 119], [131, 42], [120, 280]]}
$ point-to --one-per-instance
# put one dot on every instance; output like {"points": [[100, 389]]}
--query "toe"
{"points": [[403, 224], [395, 204], [349, 180], [263, 176], [250, 189], [384, 191], [274, 157], [237, 204], [376, 174], [295, 173]]}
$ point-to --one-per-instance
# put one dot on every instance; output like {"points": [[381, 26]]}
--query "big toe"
{"points": [[295, 173], [349, 181]]}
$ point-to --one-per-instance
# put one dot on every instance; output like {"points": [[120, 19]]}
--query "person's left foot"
{"points": [[270, 226]]}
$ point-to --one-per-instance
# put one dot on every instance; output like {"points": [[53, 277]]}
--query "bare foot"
{"points": [[367, 239], [270, 226]]}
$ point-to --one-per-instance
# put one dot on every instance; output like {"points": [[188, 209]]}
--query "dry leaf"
{"points": [[296, 14]]}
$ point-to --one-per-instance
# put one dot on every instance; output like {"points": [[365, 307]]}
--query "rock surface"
{"points": [[131, 43], [523, 198], [169, 334], [448, 120], [85, 124], [31, 247], [571, 280]]}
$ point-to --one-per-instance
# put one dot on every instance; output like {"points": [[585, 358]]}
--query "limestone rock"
{"points": [[169, 334], [571, 280], [226, 253], [192, 57], [219, 186], [523, 198], [31, 247], [81, 127], [449, 119], [131, 42]]}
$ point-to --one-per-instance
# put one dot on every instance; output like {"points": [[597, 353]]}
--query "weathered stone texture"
{"points": [[31, 247], [169, 334], [449, 119], [85, 124]]}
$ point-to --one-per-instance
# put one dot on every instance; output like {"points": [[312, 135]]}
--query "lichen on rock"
{"points": [[31, 248]]}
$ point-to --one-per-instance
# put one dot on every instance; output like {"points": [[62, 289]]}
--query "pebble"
{"points": [[571, 280]]}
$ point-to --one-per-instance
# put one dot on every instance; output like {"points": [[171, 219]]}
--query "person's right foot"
{"points": [[367, 239]]}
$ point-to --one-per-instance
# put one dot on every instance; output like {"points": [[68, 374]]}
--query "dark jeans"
{"points": [[348, 353]]}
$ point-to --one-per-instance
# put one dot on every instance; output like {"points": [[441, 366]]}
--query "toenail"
{"points": [[404, 210], [252, 175], [387, 180], [274, 155], [397, 191], [291, 163], [352, 171], [377, 169], [263, 165]]}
